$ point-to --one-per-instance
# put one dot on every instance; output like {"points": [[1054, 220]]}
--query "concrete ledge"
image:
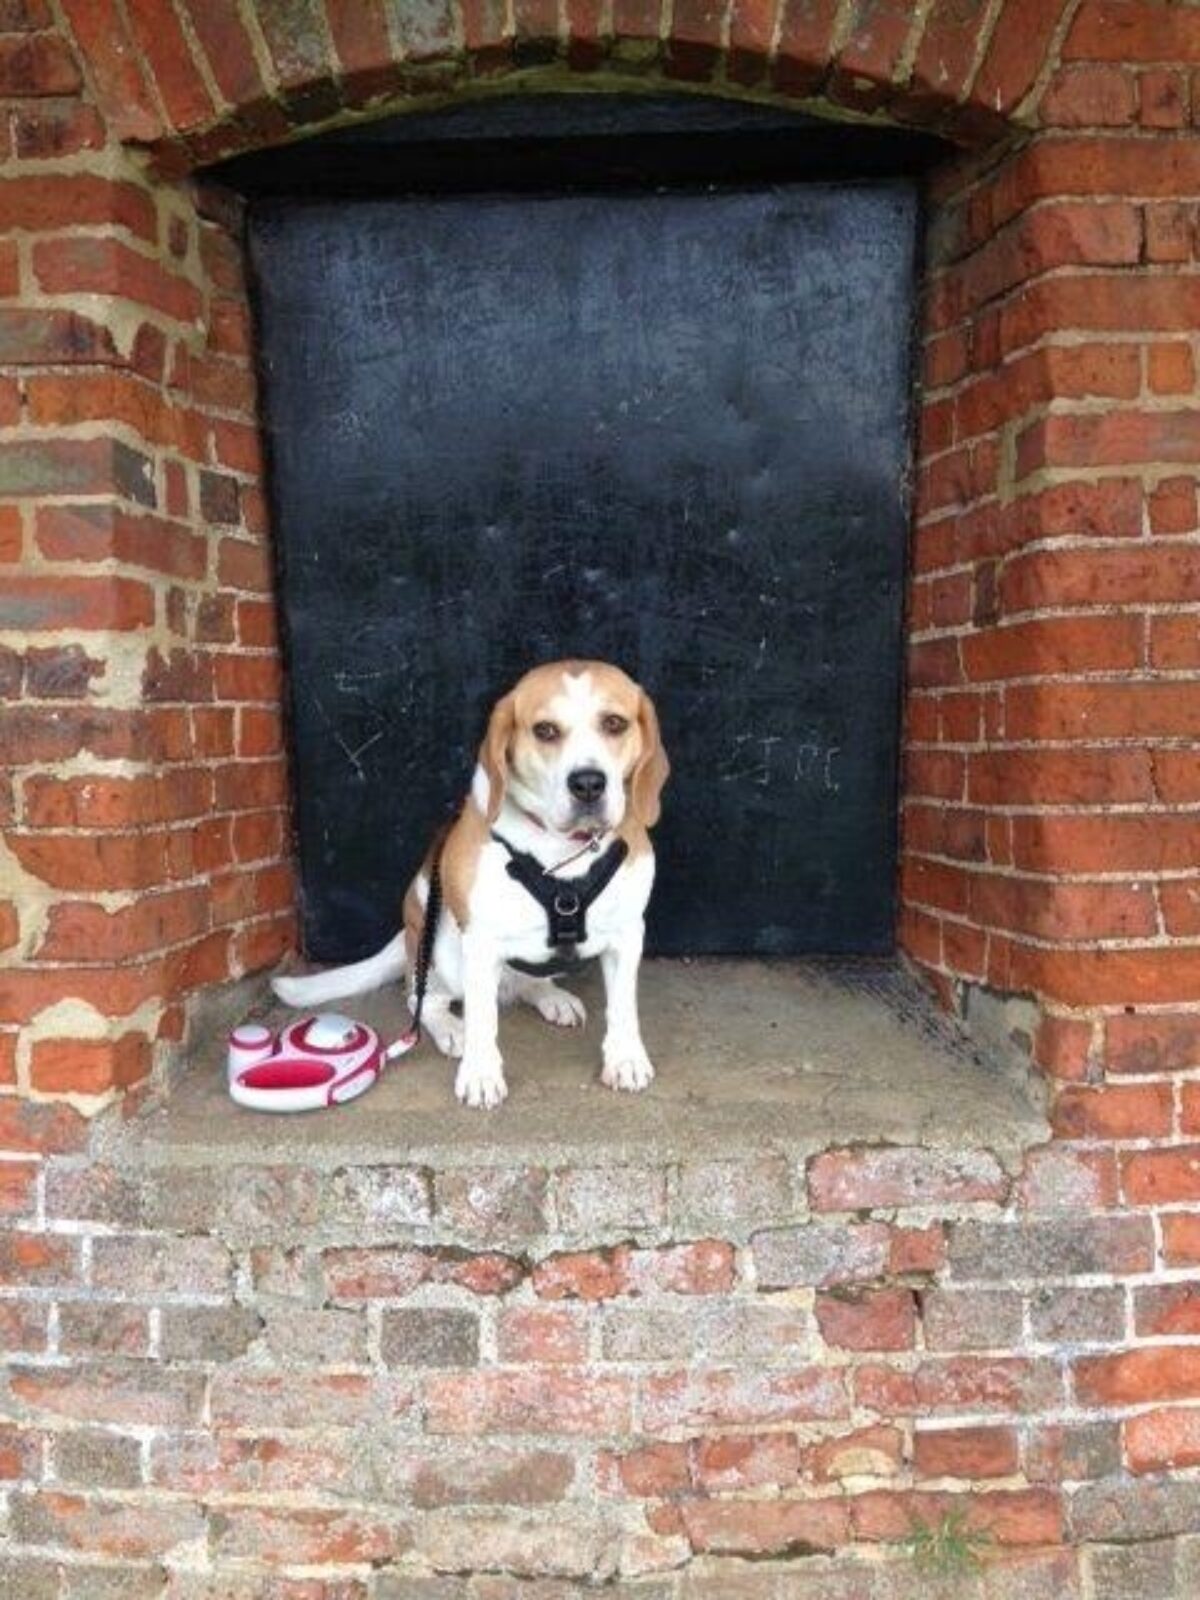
{"points": [[752, 1058]]}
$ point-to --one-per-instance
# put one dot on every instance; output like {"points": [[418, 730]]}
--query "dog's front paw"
{"points": [[480, 1083], [626, 1067], [559, 1006]]}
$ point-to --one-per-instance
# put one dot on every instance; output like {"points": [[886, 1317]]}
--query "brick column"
{"points": [[1052, 846], [143, 798]]}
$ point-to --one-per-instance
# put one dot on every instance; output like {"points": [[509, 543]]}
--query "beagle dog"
{"points": [[566, 787]]}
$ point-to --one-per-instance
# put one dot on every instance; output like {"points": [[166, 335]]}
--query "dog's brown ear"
{"points": [[652, 769], [493, 752]]}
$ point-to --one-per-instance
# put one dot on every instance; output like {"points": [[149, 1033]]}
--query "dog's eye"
{"points": [[613, 724], [547, 732]]}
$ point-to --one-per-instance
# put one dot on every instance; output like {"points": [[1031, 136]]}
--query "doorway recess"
{"points": [[597, 376]]}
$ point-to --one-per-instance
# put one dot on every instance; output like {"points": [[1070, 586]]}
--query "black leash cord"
{"points": [[433, 911]]}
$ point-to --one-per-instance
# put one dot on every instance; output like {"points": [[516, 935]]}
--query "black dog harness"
{"points": [[565, 902]]}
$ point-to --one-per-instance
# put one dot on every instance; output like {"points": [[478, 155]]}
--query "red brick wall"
{"points": [[1052, 841], [577, 1372], [1026, 1334], [143, 799]]}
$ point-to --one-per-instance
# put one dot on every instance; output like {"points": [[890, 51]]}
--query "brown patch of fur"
{"points": [[414, 923], [651, 769], [460, 860]]}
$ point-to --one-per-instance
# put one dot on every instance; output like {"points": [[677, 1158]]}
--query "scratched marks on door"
{"points": [[664, 429], [763, 759]]}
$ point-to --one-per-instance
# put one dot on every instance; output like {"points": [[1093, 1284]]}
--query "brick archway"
{"points": [[200, 79]]}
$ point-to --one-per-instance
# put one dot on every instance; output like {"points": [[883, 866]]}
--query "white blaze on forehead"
{"points": [[578, 697], [578, 685]]}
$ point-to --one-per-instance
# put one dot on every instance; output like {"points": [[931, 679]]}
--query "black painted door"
{"points": [[669, 430]]}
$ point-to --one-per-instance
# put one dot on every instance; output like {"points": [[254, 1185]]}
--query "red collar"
{"points": [[581, 836]]}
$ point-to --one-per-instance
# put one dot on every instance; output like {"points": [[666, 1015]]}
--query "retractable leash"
{"points": [[328, 1059], [317, 1061], [312, 1063]]}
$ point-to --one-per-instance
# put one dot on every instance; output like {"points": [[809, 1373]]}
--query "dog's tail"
{"points": [[317, 987]]}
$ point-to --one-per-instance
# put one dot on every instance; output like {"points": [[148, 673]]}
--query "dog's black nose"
{"points": [[587, 784]]}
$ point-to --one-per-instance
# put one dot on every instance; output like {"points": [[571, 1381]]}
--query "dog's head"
{"points": [[576, 744]]}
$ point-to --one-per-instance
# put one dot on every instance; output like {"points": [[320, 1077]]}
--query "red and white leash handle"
{"points": [[315, 1062]]}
